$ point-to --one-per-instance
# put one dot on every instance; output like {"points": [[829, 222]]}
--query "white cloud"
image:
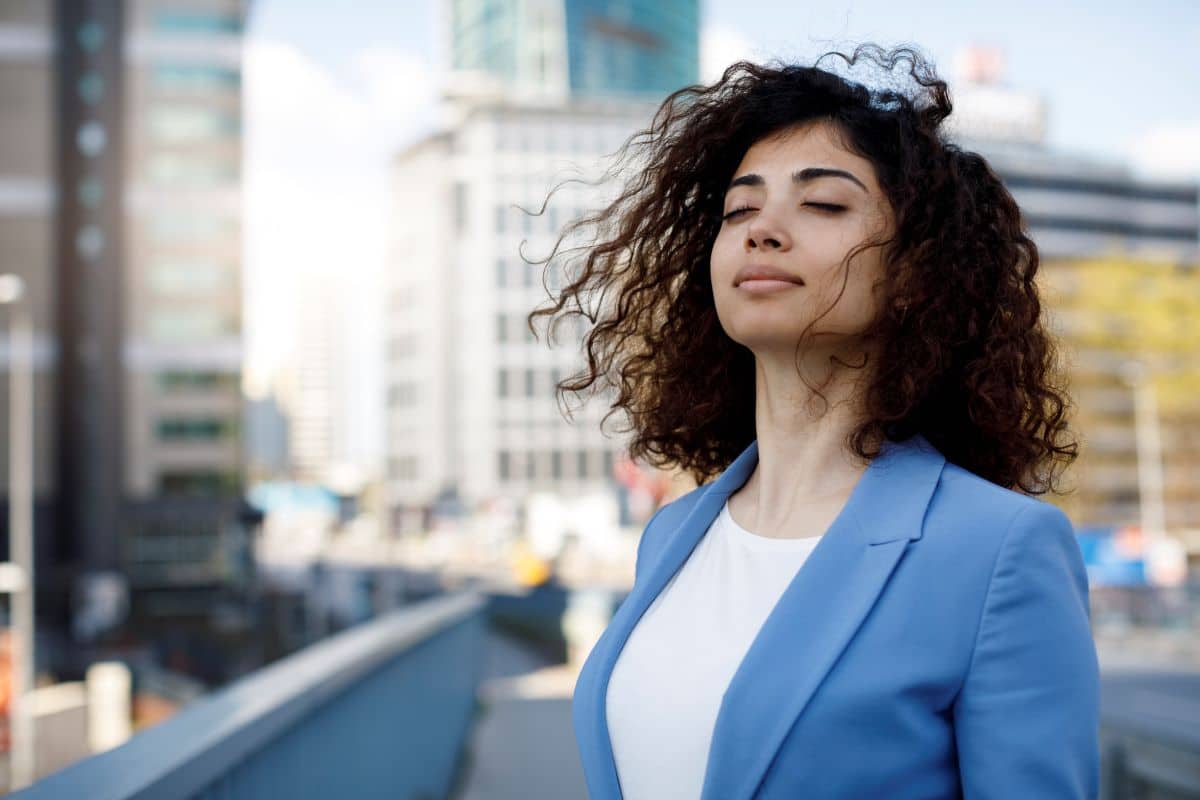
{"points": [[1168, 151], [317, 146], [720, 46], [399, 88]]}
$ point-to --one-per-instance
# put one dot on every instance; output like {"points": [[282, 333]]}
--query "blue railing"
{"points": [[382, 710], [1150, 735]]}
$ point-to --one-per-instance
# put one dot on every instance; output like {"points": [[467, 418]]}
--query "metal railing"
{"points": [[381, 710], [1150, 736]]}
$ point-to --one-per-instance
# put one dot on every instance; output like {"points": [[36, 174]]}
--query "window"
{"points": [[502, 382], [194, 428], [406, 468], [197, 482], [171, 228], [90, 88], [191, 323], [185, 381], [529, 382], [460, 206], [556, 470], [90, 36], [501, 328], [505, 465], [500, 274], [195, 78], [501, 214], [608, 463], [175, 277], [175, 169], [581, 460], [197, 22], [185, 124], [401, 394], [530, 465]]}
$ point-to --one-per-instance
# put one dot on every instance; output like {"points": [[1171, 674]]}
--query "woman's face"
{"points": [[797, 204]]}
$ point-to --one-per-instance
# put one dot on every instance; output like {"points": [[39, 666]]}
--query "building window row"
{"points": [[197, 482], [577, 140], [402, 394], [196, 380], [191, 124], [554, 464], [191, 22], [402, 345], [527, 382], [195, 428], [513, 328], [523, 218], [195, 78], [403, 467]]}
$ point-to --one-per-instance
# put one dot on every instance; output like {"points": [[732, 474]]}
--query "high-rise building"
{"points": [[540, 88], [555, 48], [312, 385], [1074, 206], [470, 395], [120, 169]]}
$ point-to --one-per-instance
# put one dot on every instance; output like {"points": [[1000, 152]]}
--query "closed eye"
{"points": [[736, 212], [830, 207]]}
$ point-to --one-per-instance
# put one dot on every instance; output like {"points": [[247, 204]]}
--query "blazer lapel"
{"points": [[818, 614]]}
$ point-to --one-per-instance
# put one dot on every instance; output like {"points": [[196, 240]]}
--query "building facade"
{"points": [[471, 404], [576, 48], [120, 187]]}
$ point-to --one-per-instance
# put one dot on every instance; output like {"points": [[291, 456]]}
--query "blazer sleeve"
{"points": [[1027, 716]]}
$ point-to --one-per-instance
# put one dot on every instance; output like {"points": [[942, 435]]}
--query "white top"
{"points": [[668, 681]]}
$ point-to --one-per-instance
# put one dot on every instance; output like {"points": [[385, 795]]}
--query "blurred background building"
{"points": [[537, 93], [1121, 274], [120, 205]]}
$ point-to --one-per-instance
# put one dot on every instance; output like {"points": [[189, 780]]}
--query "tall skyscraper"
{"points": [[554, 48], [120, 169]]}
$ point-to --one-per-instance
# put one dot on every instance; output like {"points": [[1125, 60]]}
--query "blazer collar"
{"points": [[795, 648]]}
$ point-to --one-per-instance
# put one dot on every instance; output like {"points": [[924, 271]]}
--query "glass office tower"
{"points": [[576, 47]]}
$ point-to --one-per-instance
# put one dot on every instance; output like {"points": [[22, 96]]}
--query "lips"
{"points": [[765, 272]]}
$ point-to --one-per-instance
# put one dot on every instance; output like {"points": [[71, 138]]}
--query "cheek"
{"points": [[721, 255]]}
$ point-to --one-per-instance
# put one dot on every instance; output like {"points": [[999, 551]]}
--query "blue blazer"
{"points": [[935, 644]]}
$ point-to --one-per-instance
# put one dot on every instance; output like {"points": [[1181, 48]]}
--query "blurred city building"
{"points": [[312, 387], [540, 94], [1074, 206], [555, 49], [1132, 345], [1121, 275], [120, 171]]}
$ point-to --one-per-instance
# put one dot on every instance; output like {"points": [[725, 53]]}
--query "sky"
{"points": [[332, 94]]}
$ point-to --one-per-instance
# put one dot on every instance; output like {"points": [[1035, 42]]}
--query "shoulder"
{"points": [[974, 519]]}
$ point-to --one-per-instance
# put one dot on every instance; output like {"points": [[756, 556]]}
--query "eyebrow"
{"points": [[802, 176]]}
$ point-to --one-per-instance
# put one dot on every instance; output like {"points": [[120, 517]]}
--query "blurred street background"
{"points": [[270, 409]]}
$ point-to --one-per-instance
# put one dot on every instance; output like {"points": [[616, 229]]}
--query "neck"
{"points": [[803, 460]]}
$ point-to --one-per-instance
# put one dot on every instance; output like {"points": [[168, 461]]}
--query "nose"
{"points": [[765, 233]]}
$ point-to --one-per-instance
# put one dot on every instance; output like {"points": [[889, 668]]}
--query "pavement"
{"points": [[522, 746]]}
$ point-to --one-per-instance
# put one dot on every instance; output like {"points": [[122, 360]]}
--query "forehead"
{"points": [[815, 144]]}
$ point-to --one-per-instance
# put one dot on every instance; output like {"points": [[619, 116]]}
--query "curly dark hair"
{"points": [[964, 357]]}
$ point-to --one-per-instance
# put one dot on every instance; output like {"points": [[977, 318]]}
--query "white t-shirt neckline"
{"points": [[750, 539]]}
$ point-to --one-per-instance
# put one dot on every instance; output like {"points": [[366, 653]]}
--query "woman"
{"points": [[815, 298]]}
